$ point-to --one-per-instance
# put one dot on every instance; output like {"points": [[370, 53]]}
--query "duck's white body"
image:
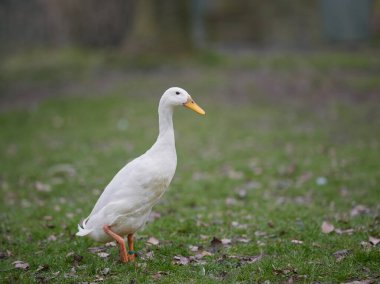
{"points": [[126, 202]]}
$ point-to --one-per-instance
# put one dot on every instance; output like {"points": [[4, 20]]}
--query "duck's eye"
{"points": [[177, 93]]}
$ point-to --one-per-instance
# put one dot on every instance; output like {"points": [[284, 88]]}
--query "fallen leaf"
{"points": [[341, 254], [288, 270], [346, 231], [149, 255], [202, 254], [359, 210], [366, 245], [260, 234], [48, 218], [193, 248], [181, 260], [215, 242], [243, 240], [203, 237], [76, 259], [96, 249], [43, 267], [105, 271], [71, 274], [226, 241], [242, 193], [153, 241], [368, 281], [200, 223], [373, 241], [159, 274], [98, 278], [327, 228], [5, 254], [52, 238], [247, 259], [230, 201], [42, 187], [289, 281], [19, 264], [103, 254], [70, 254], [251, 259]]}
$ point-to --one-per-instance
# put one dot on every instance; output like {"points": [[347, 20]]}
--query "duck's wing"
{"points": [[123, 183]]}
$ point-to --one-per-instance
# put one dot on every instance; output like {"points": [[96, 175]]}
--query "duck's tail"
{"points": [[82, 230]]}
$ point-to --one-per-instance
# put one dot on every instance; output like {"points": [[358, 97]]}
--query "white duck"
{"points": [[125, 204]]}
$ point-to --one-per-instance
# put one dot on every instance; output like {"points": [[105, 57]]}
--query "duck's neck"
{"points": [[165, 118]]}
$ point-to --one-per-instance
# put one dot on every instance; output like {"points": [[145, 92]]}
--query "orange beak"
{"points": [[193, 106]]}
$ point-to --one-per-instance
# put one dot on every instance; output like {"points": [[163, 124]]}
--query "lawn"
{"points": [[288, 143]]}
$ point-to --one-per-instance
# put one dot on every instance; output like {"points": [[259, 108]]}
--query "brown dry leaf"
{"points": [[288, 270], [52, 238], [260, 234], [230, 201], [215, 242], [193, 248], [149, 255], [105, 271], [103, 254], [252, 259], [200, 223], [366, 245], [247, 259], [47, 218], [341, 254], [19, 264], [373, 241], [43, 267], [76, 259], [5, 254], [226, 241], [181, 260], [359, 210], [96, 249], [42, 187], [346, 231], [159, 274], [368, 281], [71, 274], [202, 254], [153, 241], [327, 227], [243, 240]]}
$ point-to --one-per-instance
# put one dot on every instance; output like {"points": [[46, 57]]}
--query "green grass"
{"points": [[57, 157]]}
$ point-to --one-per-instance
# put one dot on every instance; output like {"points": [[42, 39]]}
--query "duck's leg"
{"points": [[131, 252], [119, 240]]}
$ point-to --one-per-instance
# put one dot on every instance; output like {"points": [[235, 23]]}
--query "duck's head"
{"points": [[176, 96]]}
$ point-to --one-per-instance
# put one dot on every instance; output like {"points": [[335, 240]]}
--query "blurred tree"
{"points": [[160, 26], [96, 22], [163, 26]]}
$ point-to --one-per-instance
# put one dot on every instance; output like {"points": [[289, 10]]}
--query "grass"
{"points": [[249, 169]]}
